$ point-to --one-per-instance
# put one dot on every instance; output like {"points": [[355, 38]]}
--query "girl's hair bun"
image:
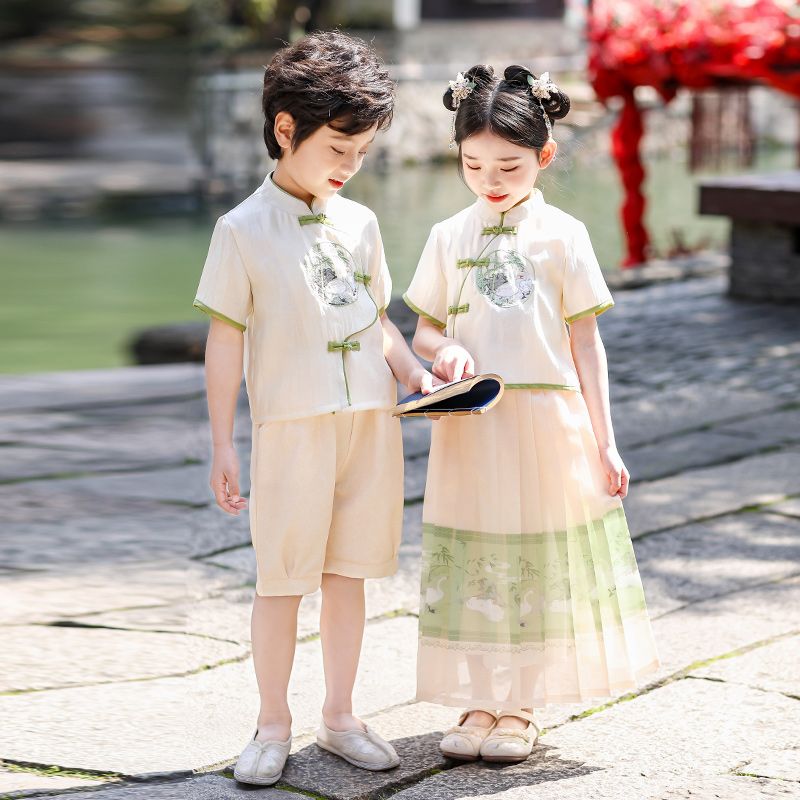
{"points": [[517, 75], [557, 105], [480, 74]]}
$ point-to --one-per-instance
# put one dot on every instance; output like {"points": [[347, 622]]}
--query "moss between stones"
{"points": [[54, 771], [680, 675], [763, 777], [203, 668]]}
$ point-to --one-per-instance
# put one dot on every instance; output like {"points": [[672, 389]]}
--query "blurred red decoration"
{"points": [[696, 44]]}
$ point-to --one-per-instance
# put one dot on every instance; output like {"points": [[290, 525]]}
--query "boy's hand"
{"points": [[420, 380], [224, 480], [453, 362], [617, 472]]}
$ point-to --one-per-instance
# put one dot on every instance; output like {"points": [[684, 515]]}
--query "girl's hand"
{"points": [[453, 362], [224, 481], [617, 472], [420, 380]]}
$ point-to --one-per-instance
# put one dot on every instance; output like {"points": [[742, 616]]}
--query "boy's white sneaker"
{"points": [[364, 749], [261, 763]]}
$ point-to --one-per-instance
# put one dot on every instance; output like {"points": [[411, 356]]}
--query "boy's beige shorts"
{"points": [[326, 496]]}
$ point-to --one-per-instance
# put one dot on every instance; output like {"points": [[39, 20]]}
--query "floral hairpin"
{"points": [[461, 89], [541, 88]]}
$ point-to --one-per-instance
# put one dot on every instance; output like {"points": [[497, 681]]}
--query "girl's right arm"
{"points": [[451, 362], [224, 356]]}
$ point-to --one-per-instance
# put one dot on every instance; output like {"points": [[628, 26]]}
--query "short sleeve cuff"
{"points": [[594, 311], [201, 306], [424, 314]]}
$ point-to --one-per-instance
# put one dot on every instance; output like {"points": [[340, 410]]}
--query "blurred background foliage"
{"points": [[209, 25]]}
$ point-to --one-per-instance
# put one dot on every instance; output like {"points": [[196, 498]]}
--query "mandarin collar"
{"points": [[491, 216], [288, 202]]}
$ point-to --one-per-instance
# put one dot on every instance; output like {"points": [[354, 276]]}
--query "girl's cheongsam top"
{"points": [[503, 285], [308, 286]]}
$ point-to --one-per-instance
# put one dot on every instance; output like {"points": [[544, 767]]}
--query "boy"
{"points": [[299, 274]]}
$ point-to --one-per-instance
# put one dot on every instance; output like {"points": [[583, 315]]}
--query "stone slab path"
{"points": [[125, 671]]}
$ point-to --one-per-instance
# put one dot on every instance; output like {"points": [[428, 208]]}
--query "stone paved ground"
{"points": [[125, 595]]}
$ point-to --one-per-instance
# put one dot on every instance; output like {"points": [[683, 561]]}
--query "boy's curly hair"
{"points": [[326, 78]]}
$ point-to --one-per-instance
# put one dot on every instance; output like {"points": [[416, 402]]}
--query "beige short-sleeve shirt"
{"points": [[307, 286], [507, 285]]}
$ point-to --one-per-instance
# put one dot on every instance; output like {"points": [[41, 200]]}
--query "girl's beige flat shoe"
{"points": [[510, 745], [463, 742], [261, 763], [364, 749]]}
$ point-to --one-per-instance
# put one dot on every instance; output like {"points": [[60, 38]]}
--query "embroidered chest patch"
{"points": [[506, 278], [330, 272]]}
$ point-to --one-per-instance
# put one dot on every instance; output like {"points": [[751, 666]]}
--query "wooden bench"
{"points": [[765, 232]]}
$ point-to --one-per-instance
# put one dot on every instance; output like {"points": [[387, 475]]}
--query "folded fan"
{"points": [[469, 396]]}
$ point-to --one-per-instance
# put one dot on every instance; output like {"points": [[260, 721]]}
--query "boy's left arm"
{"points": [[402, 361], [589, 356]]}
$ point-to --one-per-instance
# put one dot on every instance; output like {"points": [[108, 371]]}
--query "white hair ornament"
{"points": [[461, 89], [541, 88]]}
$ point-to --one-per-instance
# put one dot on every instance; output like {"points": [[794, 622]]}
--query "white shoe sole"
{"points": [[506, 759], [270, 780], [458, 756], [511, 759]]}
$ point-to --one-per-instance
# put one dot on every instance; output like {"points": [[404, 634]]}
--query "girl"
{"points": [[530, 590]]}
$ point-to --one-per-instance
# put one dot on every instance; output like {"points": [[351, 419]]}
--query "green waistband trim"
{"points": [[496, 230], [596, 310], [217, 315], [458, 309], [342, 346], [557, 386], [468, 263], [417, 310], [362, 277], [313, 219]]}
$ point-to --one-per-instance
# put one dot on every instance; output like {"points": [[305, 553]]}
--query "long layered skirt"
{"points": [[530, 589]]}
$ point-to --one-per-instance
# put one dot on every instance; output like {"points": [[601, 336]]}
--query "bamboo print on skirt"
{"points": [[530, 589]]}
